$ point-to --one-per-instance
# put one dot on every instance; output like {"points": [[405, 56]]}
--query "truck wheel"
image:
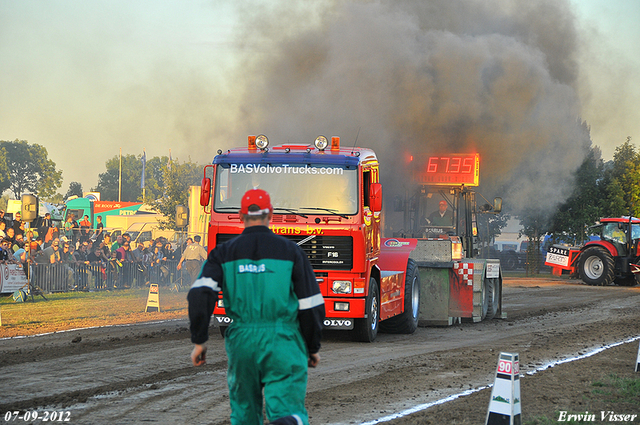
{"points": [[407, 322], [491, 298], [510, 260], [366, 329], [596, 267]]}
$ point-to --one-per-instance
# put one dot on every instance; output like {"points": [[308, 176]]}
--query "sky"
{"points": [[86, 78]]}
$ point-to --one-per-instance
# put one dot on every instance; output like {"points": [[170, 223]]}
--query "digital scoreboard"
{"points": [[451, 170]]}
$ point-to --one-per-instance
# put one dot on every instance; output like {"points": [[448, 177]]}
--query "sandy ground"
{"points": [[141, 372]]}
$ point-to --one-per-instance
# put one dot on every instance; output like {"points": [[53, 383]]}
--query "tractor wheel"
{"points": [[366, 330], [407, 322], [596, 267]]}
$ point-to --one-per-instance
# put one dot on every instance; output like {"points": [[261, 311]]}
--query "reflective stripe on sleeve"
{"points": [[310, 302], [208, 282]]}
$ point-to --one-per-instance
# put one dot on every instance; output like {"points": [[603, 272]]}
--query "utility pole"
{"points": [[120, 179]]}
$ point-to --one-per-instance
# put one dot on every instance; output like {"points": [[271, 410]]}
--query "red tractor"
{"points": [[615, 258]]}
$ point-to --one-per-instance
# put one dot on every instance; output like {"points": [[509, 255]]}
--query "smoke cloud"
{"points": [[414, 77]]}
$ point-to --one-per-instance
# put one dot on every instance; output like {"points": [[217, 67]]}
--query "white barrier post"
{"points": [[638, 361], [504, 406]]}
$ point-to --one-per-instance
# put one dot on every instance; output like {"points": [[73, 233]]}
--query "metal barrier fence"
{"points": [[64, 277]]}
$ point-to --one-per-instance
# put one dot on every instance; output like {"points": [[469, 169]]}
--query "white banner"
{"points": [[558, 256], [12, 278]]}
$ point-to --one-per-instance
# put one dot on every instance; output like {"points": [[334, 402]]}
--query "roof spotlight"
{"points": [[321, 143], [262, 142]]}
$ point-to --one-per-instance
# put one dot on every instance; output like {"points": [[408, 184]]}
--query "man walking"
{"points": [[271, 293], [193, 256]]}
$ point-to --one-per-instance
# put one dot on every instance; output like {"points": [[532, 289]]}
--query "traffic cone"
{"points": [[504, 406], [638, 361]]}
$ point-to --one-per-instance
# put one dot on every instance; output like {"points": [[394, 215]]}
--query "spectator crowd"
{"points": [[85, 257]]}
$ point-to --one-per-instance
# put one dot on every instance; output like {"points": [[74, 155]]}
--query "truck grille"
{"points": [[324, 252]]}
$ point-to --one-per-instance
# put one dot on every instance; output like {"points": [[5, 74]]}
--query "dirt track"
{"points": [[141, 373]]}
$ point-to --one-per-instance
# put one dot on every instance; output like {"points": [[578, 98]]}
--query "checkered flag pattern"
{"points": [[465, 272]]}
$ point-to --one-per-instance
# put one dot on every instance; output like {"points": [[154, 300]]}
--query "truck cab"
{"points": [[328, 200]]}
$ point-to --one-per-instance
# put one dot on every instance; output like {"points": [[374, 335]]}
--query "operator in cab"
{"points": [[441, 217]]}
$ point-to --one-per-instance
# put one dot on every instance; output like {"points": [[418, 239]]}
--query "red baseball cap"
{"points": [[256, 197]]}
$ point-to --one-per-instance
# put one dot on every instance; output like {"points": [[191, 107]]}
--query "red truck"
{"points": [[328, 199]]}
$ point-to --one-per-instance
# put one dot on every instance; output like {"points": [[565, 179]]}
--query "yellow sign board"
{"points": [[153, 301]]}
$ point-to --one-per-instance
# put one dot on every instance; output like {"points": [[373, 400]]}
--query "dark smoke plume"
{"points": [[422, 77]]}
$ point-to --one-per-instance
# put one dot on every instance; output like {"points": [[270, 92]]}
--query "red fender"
{"points": [[605, 244]]}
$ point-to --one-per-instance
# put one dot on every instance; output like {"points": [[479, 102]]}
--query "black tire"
{"points": [[627, 281], [510, 260], [407, 322], [490, 298], [366, 330], [596, 267]]}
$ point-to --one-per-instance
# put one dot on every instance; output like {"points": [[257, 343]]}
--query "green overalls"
{"points": [[264, 344], [270, 291]]}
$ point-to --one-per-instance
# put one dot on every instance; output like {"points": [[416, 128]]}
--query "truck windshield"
{"points": [[290, 187]]}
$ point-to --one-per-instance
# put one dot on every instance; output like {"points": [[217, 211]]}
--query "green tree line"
{"points": [[26, 168], [601, 189]]}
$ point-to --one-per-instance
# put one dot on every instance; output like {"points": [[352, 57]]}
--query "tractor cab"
{"points": [[622, 233]]}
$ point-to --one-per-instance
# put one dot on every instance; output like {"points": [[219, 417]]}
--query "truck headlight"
{"points": [[341, 287]]}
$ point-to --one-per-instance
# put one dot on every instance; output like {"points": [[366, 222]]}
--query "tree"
{"points": [[5, 175], [534, 226], [602, 189], [490, 226], [177, 180], [166, 183], [108, 182], [584, 206], [30, 169], [626, 170], [613, 203], [75, 189]]}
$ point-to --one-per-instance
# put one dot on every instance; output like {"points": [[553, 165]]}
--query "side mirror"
{"points": [[376, 197], [205, 191], [497, 205], [29, 209], [182, 216]]}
